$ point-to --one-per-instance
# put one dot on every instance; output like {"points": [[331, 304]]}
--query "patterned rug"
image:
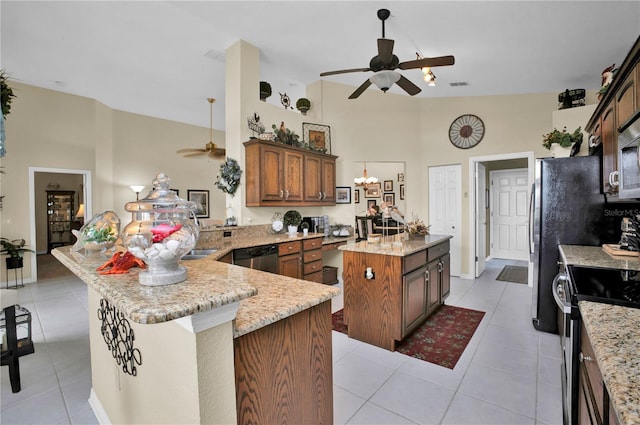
{"points": [[440, 340], [515, 274]]}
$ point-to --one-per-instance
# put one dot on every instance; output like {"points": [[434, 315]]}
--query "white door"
{"points": [[509, 214], [445, 216], [481, 218]]}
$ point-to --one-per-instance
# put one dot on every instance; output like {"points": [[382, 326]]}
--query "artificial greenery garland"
{"points": [[229, 176]]}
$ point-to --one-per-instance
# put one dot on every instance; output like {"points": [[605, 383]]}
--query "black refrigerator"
{"points": [[567, 207]]}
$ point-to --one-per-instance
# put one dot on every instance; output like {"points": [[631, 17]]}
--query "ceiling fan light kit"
{"points": [[385, 63]]}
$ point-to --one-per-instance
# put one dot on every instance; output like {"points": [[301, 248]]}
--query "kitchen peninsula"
{"points": [[228, 345], [392, 287]]}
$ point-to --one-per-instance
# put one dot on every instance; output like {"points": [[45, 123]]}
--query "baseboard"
{"points": [[467, 276], [98, 410]]}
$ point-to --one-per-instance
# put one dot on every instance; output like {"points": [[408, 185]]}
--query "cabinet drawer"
{"points": [[437, 251], [314, 255], [309, 244], [413, 261], [313, 267], [314, 277], [289, 248]]}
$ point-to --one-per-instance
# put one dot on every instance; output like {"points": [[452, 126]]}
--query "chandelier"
{"points": [[364, 181]]}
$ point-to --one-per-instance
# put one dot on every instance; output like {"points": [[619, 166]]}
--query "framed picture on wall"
{"points": [[343, 195], [390, 198], [400, 177], [401, 192], [201, 199], [317, 135], [356, 196], [372, 191], [371, 203], [388, 185]]}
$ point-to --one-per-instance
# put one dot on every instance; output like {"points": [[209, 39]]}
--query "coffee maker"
{"points": [[318, 224]]}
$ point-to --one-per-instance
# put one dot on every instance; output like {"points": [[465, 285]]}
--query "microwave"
{"points": [[629, 161]]}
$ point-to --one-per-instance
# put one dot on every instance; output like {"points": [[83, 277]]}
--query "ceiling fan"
{"points": [[210, 149], [385, 63]]}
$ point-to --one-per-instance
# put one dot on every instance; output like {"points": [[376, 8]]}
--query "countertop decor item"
{"points": [[229, 176], [417, 227], [292, 220], [160, 233], [98, 234]]}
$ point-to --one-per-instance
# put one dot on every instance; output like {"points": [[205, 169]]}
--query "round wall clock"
{"points": [[466, 131]]}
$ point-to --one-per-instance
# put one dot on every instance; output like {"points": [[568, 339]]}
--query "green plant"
{"points": [[286, 136], [265, 90], [14, 248], [304, 225], [563, 138], [292, 218], [229, 177], [303, 102], [101, 235], [6, 94]]}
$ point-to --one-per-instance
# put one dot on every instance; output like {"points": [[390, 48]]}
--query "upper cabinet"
{"points": [[281, 175]]}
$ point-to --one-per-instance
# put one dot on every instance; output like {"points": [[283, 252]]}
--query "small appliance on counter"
{"points": [[160, 233], [318, 224]]}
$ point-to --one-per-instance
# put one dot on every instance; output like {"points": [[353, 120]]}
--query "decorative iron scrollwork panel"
{"points": [[118, 335]]}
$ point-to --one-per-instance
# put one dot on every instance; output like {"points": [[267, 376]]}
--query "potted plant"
{"points": [[562, 139], [305, 228], [15, 249], [292, 220], [265, 90], [303, 105]]}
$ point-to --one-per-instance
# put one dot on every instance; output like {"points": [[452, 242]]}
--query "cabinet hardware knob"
{"points": [[584, 358], [286, 194], [281, 194], [319, 195]]}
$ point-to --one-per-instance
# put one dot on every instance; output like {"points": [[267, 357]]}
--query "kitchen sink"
{"points": [[196, 254]]}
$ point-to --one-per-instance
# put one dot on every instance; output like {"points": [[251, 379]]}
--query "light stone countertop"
{"points": [[594, 256], [264, 297], [614, 332], [396, 245]]}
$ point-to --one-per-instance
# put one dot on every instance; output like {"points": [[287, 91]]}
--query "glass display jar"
{"points": [[161, 232]]}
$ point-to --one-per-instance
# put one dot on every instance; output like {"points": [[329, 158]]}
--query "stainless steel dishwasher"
{"points": [[264, 257]]}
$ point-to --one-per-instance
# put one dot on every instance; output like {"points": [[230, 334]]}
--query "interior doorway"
{"points": [[491, 162], [83, 196]]}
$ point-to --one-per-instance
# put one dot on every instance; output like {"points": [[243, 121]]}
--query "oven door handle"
{"points": [[557, 288]]}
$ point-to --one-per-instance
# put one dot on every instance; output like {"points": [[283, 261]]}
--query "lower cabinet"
{"points": [[594, 405], [301, 259], [290, 259], [414, 300]]}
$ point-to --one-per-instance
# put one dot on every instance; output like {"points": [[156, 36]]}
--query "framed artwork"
{"points": [[400, 177], [343, 195], [371, 203], [388, 185], [201, 199], [317, 135], [356, 196], [177, 191], [372, 191], [390, 198], [402, 192]]}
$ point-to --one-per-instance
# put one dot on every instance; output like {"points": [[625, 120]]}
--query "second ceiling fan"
{"points": [[385, 63]]}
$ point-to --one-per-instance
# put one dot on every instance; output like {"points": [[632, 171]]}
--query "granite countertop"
{"points": [[614, 332], [594, 256], [396, 245], [264, 297]]}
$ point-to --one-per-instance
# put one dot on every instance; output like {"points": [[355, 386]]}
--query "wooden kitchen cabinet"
{"points": [[282, 175], [312, 260], [403, 293], [290, 259], [301, 259], [609, 140], [626, 98]]}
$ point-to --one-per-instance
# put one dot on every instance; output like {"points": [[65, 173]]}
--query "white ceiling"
{"points": [[164, 59]]}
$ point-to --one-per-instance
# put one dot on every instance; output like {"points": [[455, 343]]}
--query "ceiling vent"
{"points": [[459, 83]]}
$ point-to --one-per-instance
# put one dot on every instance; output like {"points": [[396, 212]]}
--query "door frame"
{"points": [[473, 192], [87, 196]]}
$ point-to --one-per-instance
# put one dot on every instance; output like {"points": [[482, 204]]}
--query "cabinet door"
{"points": [[445, 276], [293, 182], [414, 292], [433, 286], [609, 147], [290, 265], [329, 180], [272, 176], [625, 99], [312, 178]]}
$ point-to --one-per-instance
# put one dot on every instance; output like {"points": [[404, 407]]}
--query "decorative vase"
{"points": [[558, 151], [292, 229]]}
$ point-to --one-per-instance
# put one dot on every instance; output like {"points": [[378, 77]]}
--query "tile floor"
{"points": [[509, 373]]}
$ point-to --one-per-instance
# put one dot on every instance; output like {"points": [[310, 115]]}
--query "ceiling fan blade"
{"points": [[360, 89], [385, 49], [408, 86], [217, 153], [190, 150], [191, 155], [344, 71], [428, 62]]}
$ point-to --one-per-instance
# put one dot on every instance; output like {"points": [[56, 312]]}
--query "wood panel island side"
{"points": [[228, 345], [408, 281]]}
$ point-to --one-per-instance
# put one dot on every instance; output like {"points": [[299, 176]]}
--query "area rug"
{"points": [[440, 340], [515, 274]]}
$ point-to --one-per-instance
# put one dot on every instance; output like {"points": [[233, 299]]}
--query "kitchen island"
{"points": [[392, 287], [211, 349]]}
